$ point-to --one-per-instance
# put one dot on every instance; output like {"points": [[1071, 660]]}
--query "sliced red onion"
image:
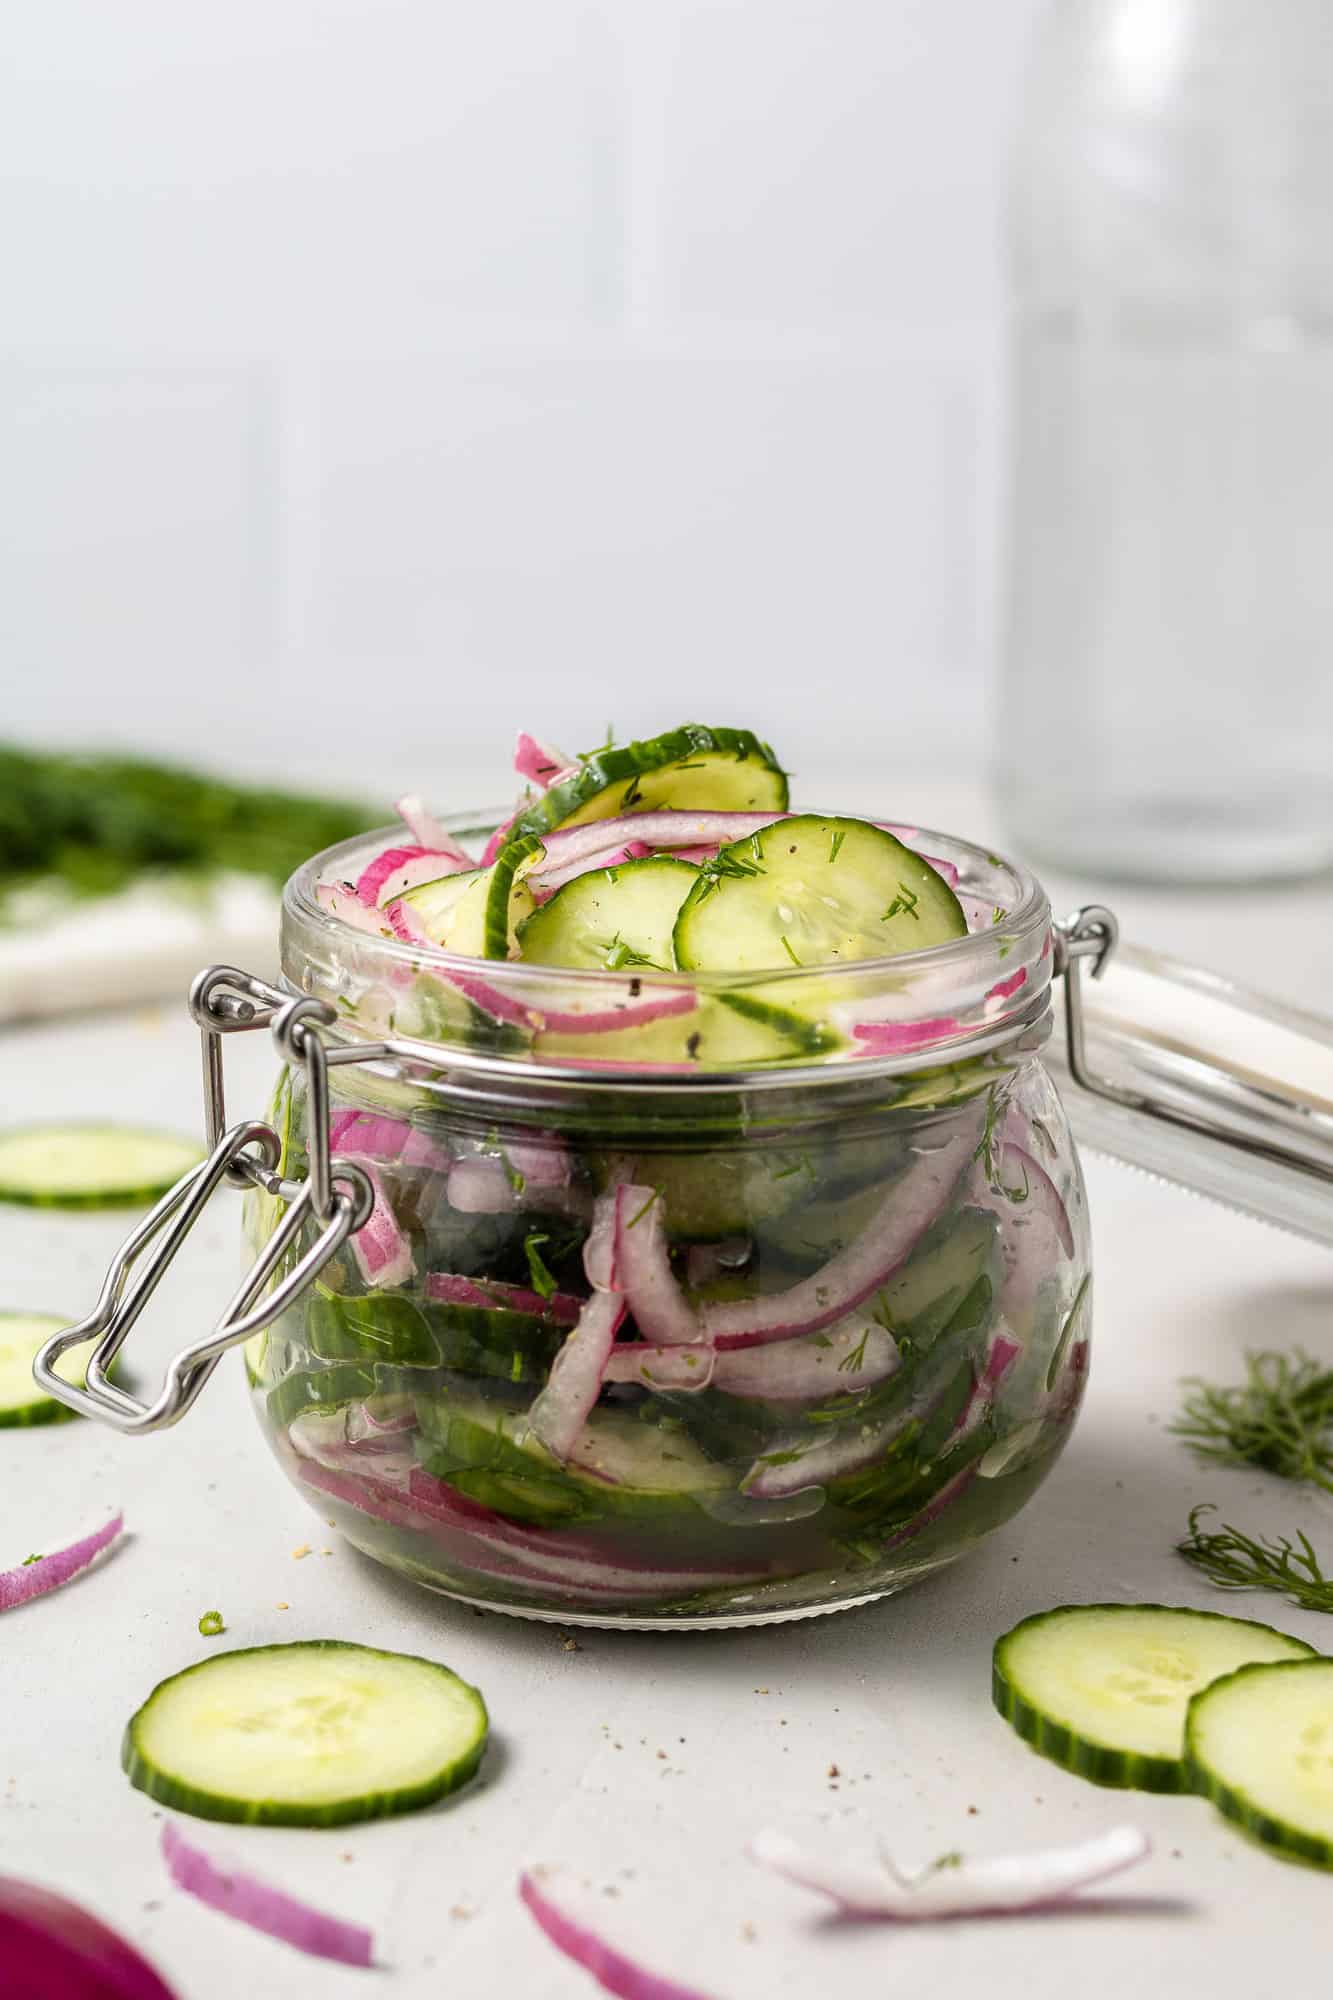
{"points": [[421, 1151], [599, 1252], [636, 1010], [395, 1418], [542, 1164], [34, 1579], [873, 1887], [488, 1293], [538, 762], [382, 1252], [502, 832], [544, 882], [794, 1465], [571, 1918], [912, 1203], [427, 831], [897, 1038], [243, 1896], [661, 1311], [853, 1355], [1029, 1183], [674, 1368], [395, 870], [480, 1185], [666, 827], [52, 1949], [340, 900], [406, 925], [707, 850], [939, 1503], [368, 1133], [1004, 1350], [1005, 989], [558, 1414]]}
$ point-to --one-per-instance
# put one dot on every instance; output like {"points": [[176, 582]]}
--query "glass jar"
{"points": [[695, 1300], [647, 1340]]}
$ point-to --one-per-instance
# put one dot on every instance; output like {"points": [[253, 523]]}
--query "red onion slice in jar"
{"points": [[681, 1368], [538, 762], [854, 1355], [427, 831], [661, 1311], [559, 1412], [395, 870], [448, 1288], [382, 1251], [914, 1201]]}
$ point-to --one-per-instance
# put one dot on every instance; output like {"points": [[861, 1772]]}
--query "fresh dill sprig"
{"points": [[787, 947], [1235, 1561], [852, 1363], [542, 1280], [836, 839], [903, 904], [1279, 1419]]}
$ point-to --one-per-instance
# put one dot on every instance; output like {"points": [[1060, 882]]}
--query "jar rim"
{"points": [[908, 1011]]}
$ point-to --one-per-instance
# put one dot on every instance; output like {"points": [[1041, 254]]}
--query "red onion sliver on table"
{"points": [[250, 1901], [1007, 1884], [52, 1949], [915, 1200], [570, 1919], [48, 1572]]}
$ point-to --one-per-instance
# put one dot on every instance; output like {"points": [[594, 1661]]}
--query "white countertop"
{"points": [[897, 1695]]}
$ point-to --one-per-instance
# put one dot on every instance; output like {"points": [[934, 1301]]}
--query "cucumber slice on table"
{"points": [[691, 768], [313, 1734], [813, 890], [21, 1334], [610, 918], [1259, 1744], [1103, 1689], [91, 1166]]}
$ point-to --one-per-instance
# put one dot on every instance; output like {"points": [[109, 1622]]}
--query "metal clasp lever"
{"points": [[337, 1196]]}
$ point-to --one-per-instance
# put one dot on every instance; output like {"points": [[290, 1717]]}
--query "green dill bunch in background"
{"points": [[89, 826]]}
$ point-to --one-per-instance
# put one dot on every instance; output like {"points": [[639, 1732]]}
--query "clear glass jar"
{"points": [[846, 1343]]}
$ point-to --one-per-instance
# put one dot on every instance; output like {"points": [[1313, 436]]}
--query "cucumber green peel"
{"points": [[694, 766], [319, 1733], [1103, 1689]]}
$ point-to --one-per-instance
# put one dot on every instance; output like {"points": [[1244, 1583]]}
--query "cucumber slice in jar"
{"points": [[691, 768], [1103, 1689], [475, 914], [21, 1334], [314, 1734], [813, 891], [91, 1166], [1259, 1744], [436, 904], [611, 918], [619, 1465]]}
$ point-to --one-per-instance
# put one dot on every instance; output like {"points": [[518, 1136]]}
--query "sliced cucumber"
{"points": [[1103, 1689], [405, 1333], [1259, 1744], [435, 904], [691, 768], [619, 1465], [21, 1334], [313, 1734], [724, 1031], [610, 918], [91, 1166], [814, 891], [475, 913]]}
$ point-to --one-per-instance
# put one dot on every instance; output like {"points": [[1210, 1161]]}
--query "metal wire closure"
{"points": [[1093, 933], [337, 1196]]}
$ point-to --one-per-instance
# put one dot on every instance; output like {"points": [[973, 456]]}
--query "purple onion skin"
{"points": [[51, 1949]]}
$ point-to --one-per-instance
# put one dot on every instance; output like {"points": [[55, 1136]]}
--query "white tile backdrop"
{"points": [[463, 362]]}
